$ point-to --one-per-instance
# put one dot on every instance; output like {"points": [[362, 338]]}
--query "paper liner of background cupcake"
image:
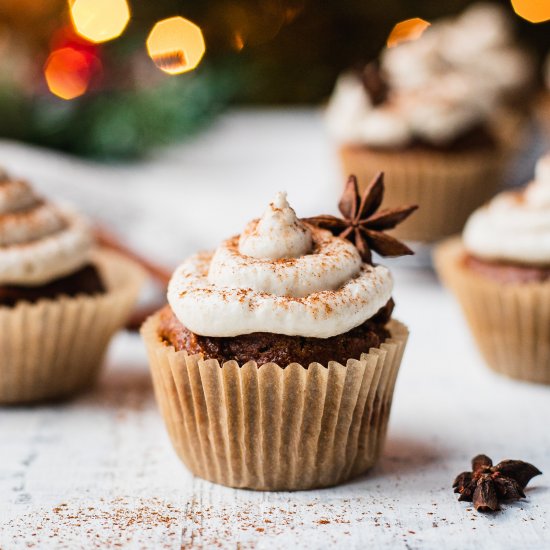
{"points": [[500, 273], [275, 362], [61, 299], [442, 115]]}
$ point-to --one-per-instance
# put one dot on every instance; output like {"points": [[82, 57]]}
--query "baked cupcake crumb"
{"points": [[264, 347]]}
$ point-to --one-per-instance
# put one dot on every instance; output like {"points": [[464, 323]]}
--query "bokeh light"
{"points": [[238, 41], [405, 31], [176, 45], [99, 20], [534, 11], [68, 72]]}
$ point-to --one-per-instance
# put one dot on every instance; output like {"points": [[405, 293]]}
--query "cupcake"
{"points": [[426, 111], [60, 299], [500, 273], [275, 362]]}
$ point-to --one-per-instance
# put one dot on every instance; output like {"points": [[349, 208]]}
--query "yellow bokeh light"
{"points": [[176, 45], [407, 30], [99, 20], [534, 11], [67, 72]]}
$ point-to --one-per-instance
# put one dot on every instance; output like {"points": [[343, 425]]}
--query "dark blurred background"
{"points": [[257, 52]]}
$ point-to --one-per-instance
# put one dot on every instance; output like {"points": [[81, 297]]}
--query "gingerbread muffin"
{"points": [[60, 299], [275, 362], [500, 273]]}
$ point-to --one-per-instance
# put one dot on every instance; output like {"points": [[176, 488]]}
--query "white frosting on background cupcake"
{"points": [[441, 85], [437, 114], [300, 281], [39, 242], [514, 226], [479, 44]]}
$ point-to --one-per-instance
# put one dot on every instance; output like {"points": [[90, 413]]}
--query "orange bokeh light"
{"points": [[68, 72], [176, 45], [534, 11], [407, 30], [238, 41], [99, 20]]}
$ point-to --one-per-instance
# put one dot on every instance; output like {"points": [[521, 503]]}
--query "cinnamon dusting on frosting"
{"points": [[323, 291], [278, 235], [515, 225], [39, 241]]}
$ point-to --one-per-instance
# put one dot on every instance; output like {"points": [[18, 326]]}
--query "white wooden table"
{"points": [[99, 472]]}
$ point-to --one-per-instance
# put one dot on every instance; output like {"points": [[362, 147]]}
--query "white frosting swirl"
{"points": [[438, 114], [29, 225], [15, 195], [278, 234], [514, 226], [320, 292], [39, 242], [479, 44], [441, 85]]}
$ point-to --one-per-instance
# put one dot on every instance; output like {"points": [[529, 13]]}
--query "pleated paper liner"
{"points": [[448, 187], [510, 322], [55, 348], [270, 428]]}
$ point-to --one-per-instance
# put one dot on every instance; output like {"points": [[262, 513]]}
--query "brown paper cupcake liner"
{"points": [[448, 187], [273, 428], [510, 322], [54, 348]]}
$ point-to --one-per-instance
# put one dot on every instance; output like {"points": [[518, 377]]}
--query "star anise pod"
{"points": [[487, 485], [363, 224]]}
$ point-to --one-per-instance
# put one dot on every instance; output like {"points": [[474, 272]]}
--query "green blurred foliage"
{"points": [[258, 52]]}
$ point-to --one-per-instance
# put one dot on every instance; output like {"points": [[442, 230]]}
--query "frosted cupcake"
{"points": [[275, 362], [60, 300], [500, 273], [427, 114]]}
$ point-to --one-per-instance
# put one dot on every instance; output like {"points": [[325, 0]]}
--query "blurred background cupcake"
{"points": [[61, 300], [500, 273], [440, 113]]}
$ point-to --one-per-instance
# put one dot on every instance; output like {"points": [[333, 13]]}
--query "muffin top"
{"points": [[39, 241], [515, 225], [437, 88], [281, 275]]}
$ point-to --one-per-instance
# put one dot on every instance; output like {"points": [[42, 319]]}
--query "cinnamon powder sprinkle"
{"points": [[156, 523]]}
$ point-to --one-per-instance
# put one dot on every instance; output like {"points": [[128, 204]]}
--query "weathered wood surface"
{"points": [[99, 472]]}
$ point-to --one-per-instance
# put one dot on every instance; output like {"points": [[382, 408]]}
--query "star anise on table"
{"points": [[363, 224], [487, 485]]}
